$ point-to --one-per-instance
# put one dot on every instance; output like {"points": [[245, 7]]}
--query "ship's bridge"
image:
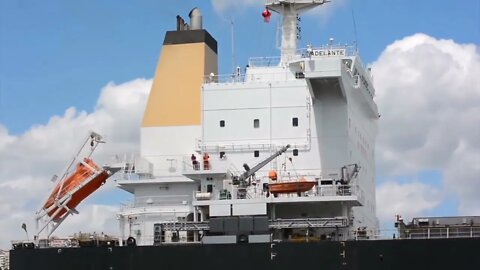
{"points": [[257, 67], [323, 66], [325, 51]]}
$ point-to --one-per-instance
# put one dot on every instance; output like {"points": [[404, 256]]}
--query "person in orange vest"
{"points": [[206, 163]]}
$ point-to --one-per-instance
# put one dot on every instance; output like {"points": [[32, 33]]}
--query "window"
{"points": [[295, 121], [210, 188], [256, 153], [222, 123], [222, 155], [256, 123], [295, 152]]}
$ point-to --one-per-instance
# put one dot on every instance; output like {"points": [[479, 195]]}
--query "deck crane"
{"points": [[241, 180]]}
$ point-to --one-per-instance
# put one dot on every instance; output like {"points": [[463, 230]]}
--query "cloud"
{"points": [[409, 200], [462, 174], [29, 160], [324, 13], [93, 218], [429, 100]]}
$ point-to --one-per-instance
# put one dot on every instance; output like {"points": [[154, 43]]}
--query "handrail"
{"points": [[435, 232], [269, 61], [335, 190]]}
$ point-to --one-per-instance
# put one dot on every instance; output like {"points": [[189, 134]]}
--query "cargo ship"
{"points": [[270, 167]]}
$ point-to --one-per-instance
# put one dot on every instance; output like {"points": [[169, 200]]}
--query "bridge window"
{"points": [[256, 153], [295, 152], [295, 121], [256, 123], [222, 123]]}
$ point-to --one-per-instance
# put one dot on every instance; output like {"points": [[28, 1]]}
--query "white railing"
{"points": [[242, 147], [257, 192], [224, 78], [142, 201], [267, 61], [464, 231], [272, 76], [441, 232]]}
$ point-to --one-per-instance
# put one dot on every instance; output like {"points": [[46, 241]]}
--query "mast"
{"points": [[289, 10]]}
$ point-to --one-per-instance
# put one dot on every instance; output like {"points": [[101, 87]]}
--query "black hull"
{"points": [[381, 254]]}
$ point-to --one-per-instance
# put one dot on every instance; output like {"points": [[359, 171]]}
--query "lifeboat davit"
{"points": [[301, 185], [86, 178]]}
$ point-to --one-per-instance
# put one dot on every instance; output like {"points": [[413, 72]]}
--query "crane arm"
{"points": [[260, 165]]}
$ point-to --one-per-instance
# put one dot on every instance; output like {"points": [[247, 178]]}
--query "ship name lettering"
{"points": [[327, 52]]}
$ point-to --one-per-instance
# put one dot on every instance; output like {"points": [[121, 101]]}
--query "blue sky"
{"points": [[55, 54], [59, 54]]}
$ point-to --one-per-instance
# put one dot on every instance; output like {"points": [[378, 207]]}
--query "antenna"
{"points": [[354, 28], [233, 45], [24, 227]]}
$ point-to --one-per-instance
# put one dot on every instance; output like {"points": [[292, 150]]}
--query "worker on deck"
{"points": [[272, 174], [195, 164], [206, 163]]}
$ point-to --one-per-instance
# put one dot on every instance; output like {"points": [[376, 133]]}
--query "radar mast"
{"points": [[289, 10]]}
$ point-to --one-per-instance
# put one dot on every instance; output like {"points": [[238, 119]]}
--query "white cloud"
{"points": [[93, 218], [409, 200], [324, 12], [428, 92], [29, 160], [462, 176]]}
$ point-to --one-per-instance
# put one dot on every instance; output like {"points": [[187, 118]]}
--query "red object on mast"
{"points": [[266, 15]]}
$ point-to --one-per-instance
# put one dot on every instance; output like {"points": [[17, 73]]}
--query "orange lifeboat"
{"points": [[79, 184], [291, 187]]}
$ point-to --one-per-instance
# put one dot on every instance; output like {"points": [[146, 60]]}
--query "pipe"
{"points": [[195, 19]]}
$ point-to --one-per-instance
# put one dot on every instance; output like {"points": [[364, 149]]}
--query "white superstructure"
{"points": [[4, 260], [317, 100]]}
